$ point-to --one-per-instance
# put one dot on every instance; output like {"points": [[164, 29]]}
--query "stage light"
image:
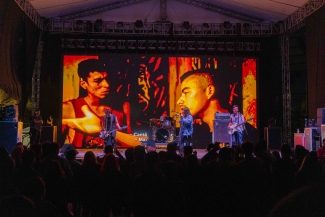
{"points": [[89, 26], [247, 26], [138, 24], [227, 25], [120, 24], [79, 23], [98, 24], [205, 25], [186, 25]]}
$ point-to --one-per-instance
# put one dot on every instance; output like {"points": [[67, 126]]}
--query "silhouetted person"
{"points": [[115, 189], [34, 189], [88, 182], [284, 172], [53, 154], [310, 171], [149, 186], [252, 182]]}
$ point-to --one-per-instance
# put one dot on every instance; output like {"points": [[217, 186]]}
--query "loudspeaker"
{"points": [[320, 116], [220, 128], [311, 133], [66, 147], [299, 139], [9, 134], [273, 137], [49, 133]]}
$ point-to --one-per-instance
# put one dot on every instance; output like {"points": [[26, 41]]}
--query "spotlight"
{"points": [[227, 25], [138, 24], [247, 26], [99, 23], [186, 25], [205, 25], [79, 23], [120, 24], [89, 26]]}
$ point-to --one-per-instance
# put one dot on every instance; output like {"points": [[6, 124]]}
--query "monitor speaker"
{"points": [[273, 137], [66, 147], [220, 130], [9, 135]]}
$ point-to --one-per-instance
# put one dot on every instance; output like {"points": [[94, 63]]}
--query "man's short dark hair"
{"points": [[235, 106], [90, 65], [210, 72]]}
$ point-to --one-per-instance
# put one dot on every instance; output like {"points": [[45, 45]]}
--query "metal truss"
{"points": [[36, 79], [225, 11], [286, 92], [297, 19], [30, 11], [159, 45], [161, 28], [101, 8]]}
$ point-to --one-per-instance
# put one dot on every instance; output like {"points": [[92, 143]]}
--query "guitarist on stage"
{"points": [[237, 119], [110, 123]]}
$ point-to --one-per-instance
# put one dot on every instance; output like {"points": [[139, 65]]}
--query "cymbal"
{"points": [[153, 120]]}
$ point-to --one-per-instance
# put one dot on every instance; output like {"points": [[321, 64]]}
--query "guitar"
{"points": [[233, 128], [104, 134]]}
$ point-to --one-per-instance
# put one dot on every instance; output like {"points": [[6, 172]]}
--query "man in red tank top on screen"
{"points": [[82, 117]]}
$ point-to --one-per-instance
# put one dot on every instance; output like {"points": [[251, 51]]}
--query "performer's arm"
{"points": [[90, 123], [230, 122], [188, 120], [117, 124]]}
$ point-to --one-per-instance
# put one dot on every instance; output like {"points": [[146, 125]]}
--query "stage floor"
{"points": [[99, 152]]}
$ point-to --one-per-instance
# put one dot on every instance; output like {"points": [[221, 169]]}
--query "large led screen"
{"points": [[148, 92]]}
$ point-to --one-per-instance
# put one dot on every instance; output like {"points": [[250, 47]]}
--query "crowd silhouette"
{"points": [[244, 181]]}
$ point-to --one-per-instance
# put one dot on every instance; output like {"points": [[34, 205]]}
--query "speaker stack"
{"points": [[220, 128], [9, 134], [273, 137]]}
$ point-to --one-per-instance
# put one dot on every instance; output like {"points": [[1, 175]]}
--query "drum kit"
{"points": [[164, 129]]}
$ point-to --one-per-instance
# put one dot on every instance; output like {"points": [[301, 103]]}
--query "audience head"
{"points": [[276, 154], [226, 154], [110, 163], [299, 152], [311, 163], [54, 170], [286, 151], [28, 158], [108, 149], [260, 147], [188, 150], [172, 147], [71, 154], [210, 146], [129, 154], [192, 160], [89, 159], [139, 152], [248, 148], [151, 160], [20, 145]]}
